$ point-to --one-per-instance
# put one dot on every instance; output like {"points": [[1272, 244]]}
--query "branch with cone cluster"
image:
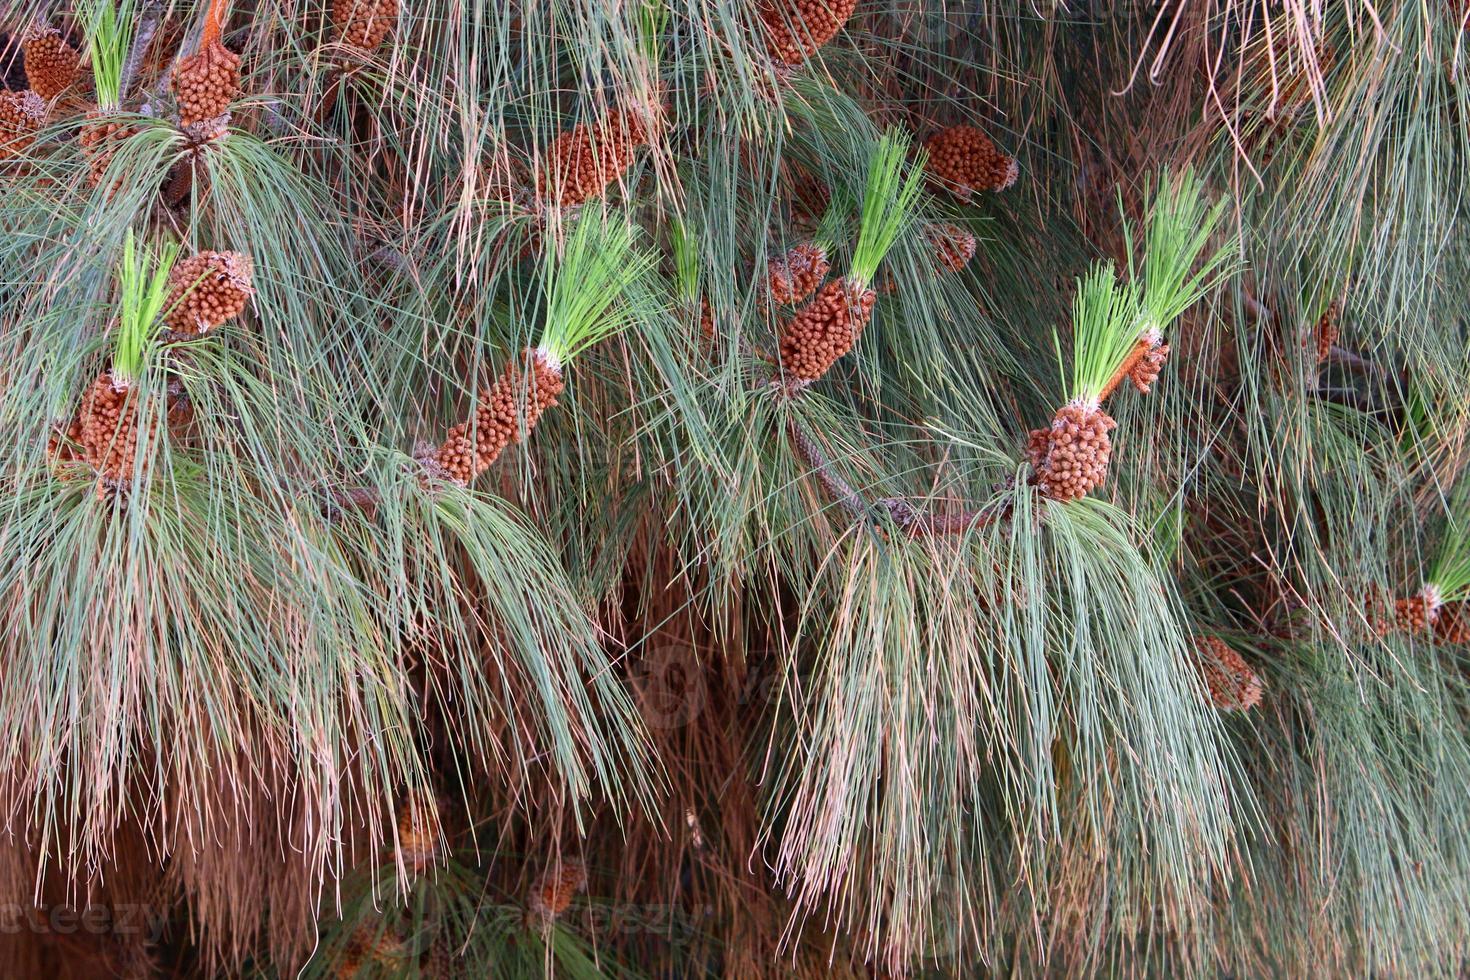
{"points": [[52, 65], [555, 889], [1439, 605], [1231, 682], [22, 114], [585, 291], [1119, 333], [152, 292], [963, 160], [794, 30], [207, 81], [827, 327]]}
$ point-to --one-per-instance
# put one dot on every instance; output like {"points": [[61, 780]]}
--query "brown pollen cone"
{"points": [[1071, 457], [1452, 624], [99, 139], [796, 29], [107, 424], [1326, 332], [472, 446], [206, 82], [953, 246], [51, 63], [1144, 373], [964, 160], [585, 159], [1414, 614], [363, 24], [21, 114], [794, 276], [416, 840], [553, 892], [1232, 683], [825, 329], [207, 289]]}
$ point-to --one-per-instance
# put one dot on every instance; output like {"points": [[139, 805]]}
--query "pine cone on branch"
{"points": [[206, 290], [21, 115], [1232, 683], [52, 65], [796, 29], [825, 329], [1071, 456], [472, 446], [962, 159]]}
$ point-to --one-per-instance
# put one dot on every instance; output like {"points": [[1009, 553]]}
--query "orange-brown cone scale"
{"points": [[1071, 456], [205, 84], [472, 446], [1144, 372], [1413, 615], [1452, 625], [964, 160], [796, 29], [99, 139], [585, 159], [416, 840], [825, 329], [106, 431], [794, 276], [953, 246], [363, 24], [206, 290], [554, 891], [1232, 683], [21, 115], [51, 63], [1326, 333]]}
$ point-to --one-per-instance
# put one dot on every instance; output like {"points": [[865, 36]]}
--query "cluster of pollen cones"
{"points": [[205, 84], [416, 840], [584, 160], [100, 138], [825, 328], [1232, 683], [554, 891], [953, 246], [21, 115], [1419, 614], [1070, 457], [363, 24], [963, 160], [206, 290], [52, 65], [796, 29], [793, 277], [103, 435], [1327, 331], [471, 447]]}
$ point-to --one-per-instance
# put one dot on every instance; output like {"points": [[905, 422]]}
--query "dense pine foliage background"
{"points": [[734, 488]]}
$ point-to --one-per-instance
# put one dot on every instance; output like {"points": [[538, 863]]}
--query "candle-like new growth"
{"points": [[1449, 577], [826, 327], [109, 28], [889, 199], [1178, 265], [586, 285], [1105, 326], [142, 280]]}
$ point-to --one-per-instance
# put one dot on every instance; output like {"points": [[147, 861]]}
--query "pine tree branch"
{"points": [[913, 521], [147, 26]]}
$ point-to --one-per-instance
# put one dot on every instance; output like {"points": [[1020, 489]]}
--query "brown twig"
{"points": [[147, 25], [913, 521]]}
